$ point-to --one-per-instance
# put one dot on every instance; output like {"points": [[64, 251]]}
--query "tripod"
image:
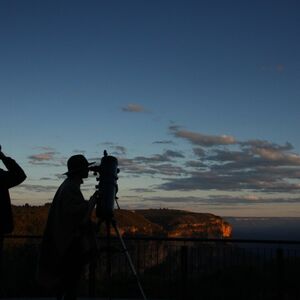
{"points": [[112, 222]]}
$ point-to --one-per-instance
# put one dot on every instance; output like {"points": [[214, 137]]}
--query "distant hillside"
{"points": [[31, 220], [133, 223]]}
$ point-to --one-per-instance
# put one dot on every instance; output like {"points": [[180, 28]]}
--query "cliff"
{"points": [[31, 220], [180, 223]]}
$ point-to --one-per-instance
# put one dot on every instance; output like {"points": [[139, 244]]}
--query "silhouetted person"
{"points": [[8, 179], [61, 259]]}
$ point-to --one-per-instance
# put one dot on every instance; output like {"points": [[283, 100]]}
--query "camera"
{"points": [[107, 187]]}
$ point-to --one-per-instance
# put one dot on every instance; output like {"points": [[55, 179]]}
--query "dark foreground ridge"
{"points": [[31, 220]]}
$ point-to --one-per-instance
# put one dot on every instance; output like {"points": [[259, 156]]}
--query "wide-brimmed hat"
{"points": [[77, 163]]}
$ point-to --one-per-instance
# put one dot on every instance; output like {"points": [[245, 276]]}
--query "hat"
{"points": [[77, 163]]}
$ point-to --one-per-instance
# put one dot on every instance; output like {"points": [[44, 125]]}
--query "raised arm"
{"points": [[14, 174]]}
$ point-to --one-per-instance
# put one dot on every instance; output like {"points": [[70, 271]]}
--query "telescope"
{"points": [[107, 187], [106, 193]]}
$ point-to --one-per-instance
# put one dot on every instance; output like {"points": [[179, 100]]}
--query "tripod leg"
{"points": [[92, 278], [108, 253], [129, 259]]}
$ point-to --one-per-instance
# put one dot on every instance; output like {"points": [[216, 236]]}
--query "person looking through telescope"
{"points": [[8, 179], [63, 252]]}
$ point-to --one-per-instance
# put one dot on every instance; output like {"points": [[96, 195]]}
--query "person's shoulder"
{"points": [[70, 185]]}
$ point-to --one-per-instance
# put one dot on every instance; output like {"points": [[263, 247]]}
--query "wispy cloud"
{"points": [[38, 188], [115, 149], [78, 151], [135, 108], [166, 156], [45, 158], [223, 200], [119, 150], [44, 148], [163, 142], [48, 156], [202, 139], [248, 200], [238, 181], [155, 165], [142, 190], [46, 178]]}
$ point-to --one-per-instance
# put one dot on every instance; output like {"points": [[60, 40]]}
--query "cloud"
{"points": [[136, 108], [78, 151], [229, 156], [60, 176], [163, 142], [46, 178], [142, 190], [44, 148], [248, 200], [168, 155], [164, 164], [254, 144], [188, 199], [205, 180], [168, 169], [151, 166], [39, 188], [171, 153], [219, 163], [195, 164], [202, 139], [199, 152], [236, 180], [119, 150], [253, 156], [255, 165], [278, 156], [45, 158], [133, 167], [223, 200], [116, 150]]}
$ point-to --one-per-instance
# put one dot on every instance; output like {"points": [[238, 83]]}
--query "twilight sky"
{"points": [[199, 100]]}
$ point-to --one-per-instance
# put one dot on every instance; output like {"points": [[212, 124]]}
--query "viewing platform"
{"points": [[168, 268]]}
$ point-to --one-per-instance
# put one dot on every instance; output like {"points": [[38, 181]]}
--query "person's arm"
{"points": [[91, 204], [14, 174]]}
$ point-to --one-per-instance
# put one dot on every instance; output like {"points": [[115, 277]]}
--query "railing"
{"points": [[170, 268]]}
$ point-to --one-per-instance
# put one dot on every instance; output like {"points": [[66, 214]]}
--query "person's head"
{"points": [[78, 166]]}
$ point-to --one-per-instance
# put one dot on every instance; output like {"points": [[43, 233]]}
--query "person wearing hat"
{"points": [[13, 176], [62, 258]]}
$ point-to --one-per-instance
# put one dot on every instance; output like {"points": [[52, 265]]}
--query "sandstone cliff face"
{"points": [[132, 223], [218, 229], [227, 230], [178, 223]]}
